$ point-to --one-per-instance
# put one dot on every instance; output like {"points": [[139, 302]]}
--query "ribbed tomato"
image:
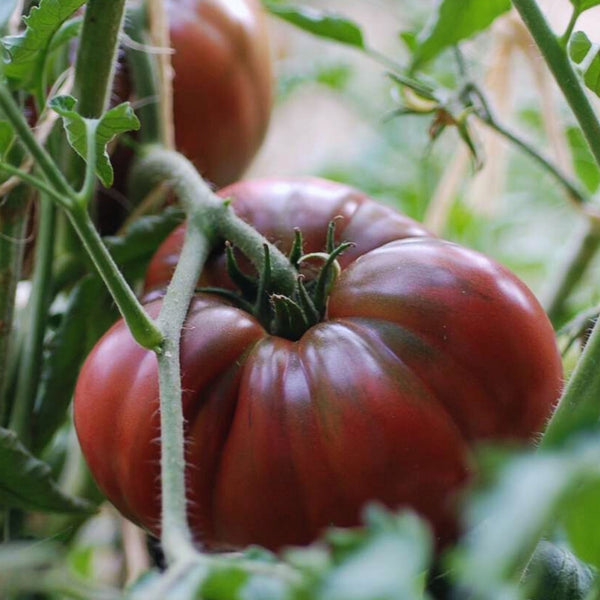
{"points": [[427, 348]]}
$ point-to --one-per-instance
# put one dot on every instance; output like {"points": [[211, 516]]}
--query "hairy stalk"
{"points": [[579, 406], [37, 312], [143, 328], [175, 534], [94, 68], [13, 220], [165, 165]]}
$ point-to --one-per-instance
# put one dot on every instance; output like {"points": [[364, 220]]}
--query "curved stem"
{"points": [[43, 160], [577, 261], [485, 115], [563, 72], [94, 68], [564, 39], [165, 165], [33, 181], [37, 311], [579, 407], [142, 327]]}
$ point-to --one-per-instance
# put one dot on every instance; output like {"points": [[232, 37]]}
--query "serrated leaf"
{"points": [[554, 573], [454, 21], [27, 51], [582, 5], [587, 55], [26, 482], [320, 23], [117, 120]]}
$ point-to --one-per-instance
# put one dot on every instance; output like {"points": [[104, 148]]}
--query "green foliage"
{"points": [[119, 119], [534, 492], [581, 5], [28, 50], [85, 319], [554, 573], [587, 56], [454, 21], [26, 482], [319, 23], [583, 161], [387, 560]]}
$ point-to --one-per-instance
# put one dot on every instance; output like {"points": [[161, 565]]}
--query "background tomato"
{"points": [[222, 94], [222, 83], [427, 349]]}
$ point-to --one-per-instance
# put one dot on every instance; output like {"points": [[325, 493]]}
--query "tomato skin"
{"points": [[271, 205], [428, 349], [222, 83]]}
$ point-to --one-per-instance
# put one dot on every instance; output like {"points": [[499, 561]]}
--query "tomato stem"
{"points": [[95, 64], [218, 219], [13, 219], [563, 71], [37, 311], [176, 536], [142, 327], [578, 407]]}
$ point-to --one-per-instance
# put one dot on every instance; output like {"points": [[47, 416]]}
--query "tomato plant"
{"points": [[291, 349], [426, 349]]}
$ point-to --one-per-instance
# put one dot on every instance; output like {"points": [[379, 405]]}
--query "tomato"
{"points": [[222, 83], [427, 349]]}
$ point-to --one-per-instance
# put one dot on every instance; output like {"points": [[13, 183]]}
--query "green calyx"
{"points": [[287, 316]]}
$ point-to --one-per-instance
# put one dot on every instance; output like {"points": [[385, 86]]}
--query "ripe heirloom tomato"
{"points": [[427, 348], [221, 85]]}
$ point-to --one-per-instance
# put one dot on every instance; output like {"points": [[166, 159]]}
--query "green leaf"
{"points": [[85, 319], [582, 522], [141, 239], [67, 31], [581, 5], [454, 21], [26, 482], [388, 563], [583, 160], [28, 51], [320, 23], [587, 56], [554, 573], [117, 120], [6, 136], [224, 583], [506, 521]]}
